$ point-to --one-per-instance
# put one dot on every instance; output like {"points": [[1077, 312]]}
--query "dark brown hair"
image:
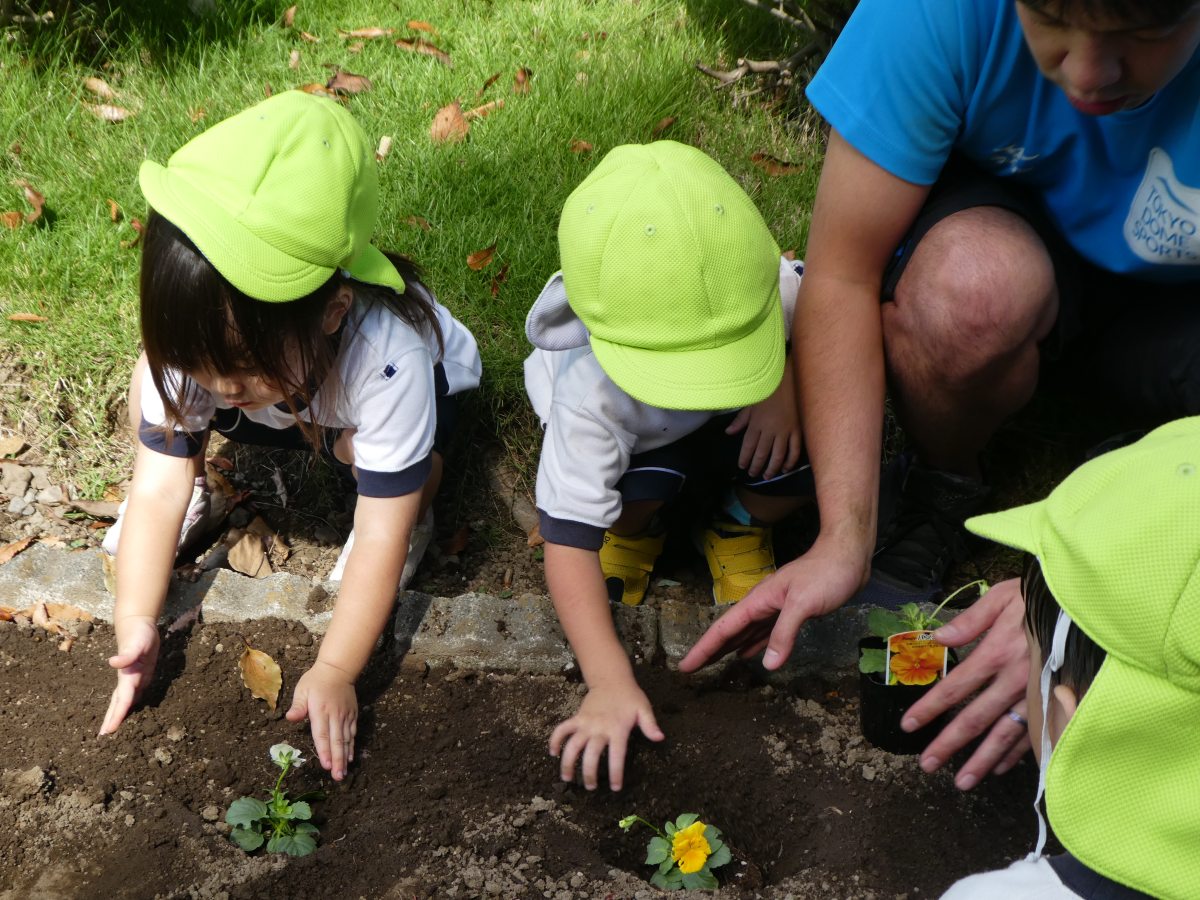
{"points": [[1082, 656], [1137, 13], [193, 318]]}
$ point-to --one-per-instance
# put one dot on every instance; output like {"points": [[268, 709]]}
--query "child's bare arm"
{"points": [[772, 442], [325, 693], [614, 704], [157, 502]]}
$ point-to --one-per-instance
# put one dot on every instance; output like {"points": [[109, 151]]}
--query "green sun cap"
{"points": [[675, 274], [277, 197], [1119, 544]]}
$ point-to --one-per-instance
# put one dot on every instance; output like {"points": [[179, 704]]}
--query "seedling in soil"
{"points": [[883, 623], [280, 823], [685, 852]]}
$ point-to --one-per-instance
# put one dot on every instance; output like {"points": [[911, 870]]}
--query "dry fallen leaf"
{"points": [[581, 147], [110, 573], [114, 210], [248, 556], [97, 509], [7, 613], [136, 225], [418, 25], [384, 148], [108, 112], [366, 33], [309, 38], [319, 89], [36, 200], [418, 222], [498, 279], [344, 82], [483, 111], [27, 317], [12, 445], [662, 125], [355, 47], [289, 16], [449, 124], [100, 88], [67, 643], [456, 543], [268, 91], [480, 259], [521, 80], [774, 166], [220, 462], [294, 59], [420, 45], [492, 79], [40, 617], [261, 675], [11, 219], [277, 550], [64, 612], [535, 538], [8, 551], [197, 113]]}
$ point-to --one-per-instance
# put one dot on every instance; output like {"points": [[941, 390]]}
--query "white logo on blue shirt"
{"points": [[1163, 217], [1011, 159]]}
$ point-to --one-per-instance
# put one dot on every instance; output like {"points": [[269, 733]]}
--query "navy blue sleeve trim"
{"points": [[568, 533], [394, 484], [182, 444]]}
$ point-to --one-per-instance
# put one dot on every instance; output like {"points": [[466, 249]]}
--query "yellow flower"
{"points": [[690, 849]]}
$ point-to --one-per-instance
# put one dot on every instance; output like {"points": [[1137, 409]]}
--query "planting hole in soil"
{"points": [[452, 792]]}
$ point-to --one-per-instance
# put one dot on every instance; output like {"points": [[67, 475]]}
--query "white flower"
{"points": [[284, 755]]}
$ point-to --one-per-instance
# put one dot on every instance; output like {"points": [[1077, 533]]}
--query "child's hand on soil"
{"points": [[136, 656], [325, 694], [605, 719], [772, 442]]}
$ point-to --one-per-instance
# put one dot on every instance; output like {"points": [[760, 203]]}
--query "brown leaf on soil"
{"points": [[366, 33], [581, 147], [277, 549], [498, 279], [492, 79], [97, 509], [40, 616], [27, 317], [136, 225], [12, 445], [775, 166], [319, 89], [456, 543], [294, 59], [248, 556], [344, 82], [449, 126], [418, 222], [481, 259], [110, 573], [64, 612], [67, 643], [521, 80], [220, 462], [36, 200], [7, 613], [108, 112], [482, 112], [418, 25], [309, 38], [114, 210], [261, 675], [100, 88], [384, 148], [289, 17], [535, 538], [11, 219], [420, 45], [662, 125], [8, 551]]}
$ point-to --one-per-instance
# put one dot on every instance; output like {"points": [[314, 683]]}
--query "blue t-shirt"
{"points": [[910, 80]]}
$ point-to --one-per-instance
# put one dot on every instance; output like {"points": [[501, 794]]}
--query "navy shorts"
{"points": [[1132, 345]]}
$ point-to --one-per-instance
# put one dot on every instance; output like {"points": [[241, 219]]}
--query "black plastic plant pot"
{"points": [[882, 706]]}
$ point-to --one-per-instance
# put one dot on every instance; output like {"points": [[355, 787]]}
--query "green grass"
{"points": [[604, 72]]}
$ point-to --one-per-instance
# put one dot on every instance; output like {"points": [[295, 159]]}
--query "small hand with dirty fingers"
{"points": [[996, 672], [772, 442], [604, 721], [135, 659], [325, 694]]}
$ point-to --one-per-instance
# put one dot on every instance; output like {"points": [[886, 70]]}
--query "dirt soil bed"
{"points": [[452, 793]]}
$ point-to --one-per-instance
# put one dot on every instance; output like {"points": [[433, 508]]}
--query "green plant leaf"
{"points": [[685, 820], [306, 828], [297, 810], [656, 851], [884, 623], [246, 838], [700, 881], [245, 811], [292, 844], [872, 660], [720, 856], [666, 865], [669, 828], [670, 882], [712, 834]]}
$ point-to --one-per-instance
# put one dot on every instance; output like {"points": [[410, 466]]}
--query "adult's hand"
{"points": [[996, 672], [771, 615]]}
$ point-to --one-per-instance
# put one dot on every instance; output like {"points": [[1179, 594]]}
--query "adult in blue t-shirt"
{"points": [[1009, 187]]}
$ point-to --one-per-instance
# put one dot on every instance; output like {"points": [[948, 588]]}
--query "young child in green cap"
{"points": [[268, 316], [660, 356], [1112, 616]]}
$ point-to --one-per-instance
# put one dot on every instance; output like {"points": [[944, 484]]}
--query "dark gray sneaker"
{"points": [[921, 532]]}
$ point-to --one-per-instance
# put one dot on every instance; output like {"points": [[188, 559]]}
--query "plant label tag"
{"points": [[914, 657]]}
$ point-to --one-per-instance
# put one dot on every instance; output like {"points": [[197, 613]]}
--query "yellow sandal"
{"points": [[627, 561], [739, 557]]}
